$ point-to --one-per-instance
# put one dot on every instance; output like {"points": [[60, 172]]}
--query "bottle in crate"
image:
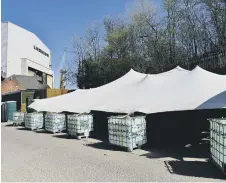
{"points": [[18, 118], [218, 142], [80, 125], [55, 122], [126, 131], [33, 120]]}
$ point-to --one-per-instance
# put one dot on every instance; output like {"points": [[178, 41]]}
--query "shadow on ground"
{"points": [[105, 146], [62, 136], [24, 129], [9, 125], [42, 131], [194, 169], [197, 150], [191, 160]]}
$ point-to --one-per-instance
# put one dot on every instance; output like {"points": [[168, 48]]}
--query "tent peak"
{"points": [[180, 68], [197, 68], [132, 70]]}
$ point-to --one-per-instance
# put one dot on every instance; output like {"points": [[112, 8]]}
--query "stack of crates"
{"points": [[18, 118], [80, 125], [55, 122], [33, 120], [126, 131], [218, 142]]}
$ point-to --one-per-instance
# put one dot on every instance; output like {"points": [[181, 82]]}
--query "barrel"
{"points": [[6, 112], [2, 112], [11, 108]]}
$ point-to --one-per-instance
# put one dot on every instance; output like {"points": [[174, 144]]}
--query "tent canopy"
{"points": [[174, 90]]}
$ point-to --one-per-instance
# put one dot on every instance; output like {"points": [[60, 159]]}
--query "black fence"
{"points": [[214, 62]]}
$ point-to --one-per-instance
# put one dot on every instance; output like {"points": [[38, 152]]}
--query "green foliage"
{"points": [[93, 74]]}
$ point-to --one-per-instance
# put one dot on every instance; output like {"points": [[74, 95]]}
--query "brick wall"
{"points": [[8, 86]]}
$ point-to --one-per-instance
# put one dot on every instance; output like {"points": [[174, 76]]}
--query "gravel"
{"points": [[39, 156]]}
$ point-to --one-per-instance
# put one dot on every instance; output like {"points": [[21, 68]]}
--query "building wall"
{"points": [[25, 63], [50, 81], [31, 73], [4, 38], [8, 86], [21, 44]]}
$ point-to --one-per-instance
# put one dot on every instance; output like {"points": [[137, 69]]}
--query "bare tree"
{"points": [[217, 13], [92, 40], [173, 16], [78, 51], [150, 41]]}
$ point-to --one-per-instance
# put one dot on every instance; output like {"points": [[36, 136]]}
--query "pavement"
{"points": [[45, 157]]}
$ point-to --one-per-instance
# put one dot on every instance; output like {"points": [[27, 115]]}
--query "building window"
{"points": [[41, 51]]}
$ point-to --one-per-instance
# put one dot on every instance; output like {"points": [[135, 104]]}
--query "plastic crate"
{"points": [[218, 142], [80, 125], [126, 131], [18, 118], [33, 120], [55, 122]]}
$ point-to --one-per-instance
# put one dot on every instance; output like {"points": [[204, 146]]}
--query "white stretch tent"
{"points": [[81, 101], [174, 90]]}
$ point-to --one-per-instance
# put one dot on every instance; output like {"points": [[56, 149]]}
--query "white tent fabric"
{"points": [[74, 101], [174, 90], [84, 100], [198, 89], [100, 94]]}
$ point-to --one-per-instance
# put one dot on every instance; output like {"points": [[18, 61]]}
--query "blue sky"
{"points": [[56, 21]]}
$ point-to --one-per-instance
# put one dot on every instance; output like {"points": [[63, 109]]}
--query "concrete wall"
{"points": [[18, 43]]}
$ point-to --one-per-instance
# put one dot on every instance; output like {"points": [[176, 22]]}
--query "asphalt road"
{"points": [[32, 156]]}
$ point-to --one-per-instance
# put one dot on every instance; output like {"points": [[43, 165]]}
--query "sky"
{"points": [[56, 21]]}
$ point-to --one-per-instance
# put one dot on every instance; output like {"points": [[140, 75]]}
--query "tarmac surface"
{"points": [[40, 156]]}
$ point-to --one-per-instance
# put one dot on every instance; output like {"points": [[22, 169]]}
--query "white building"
{"points": [[23, 53]]}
